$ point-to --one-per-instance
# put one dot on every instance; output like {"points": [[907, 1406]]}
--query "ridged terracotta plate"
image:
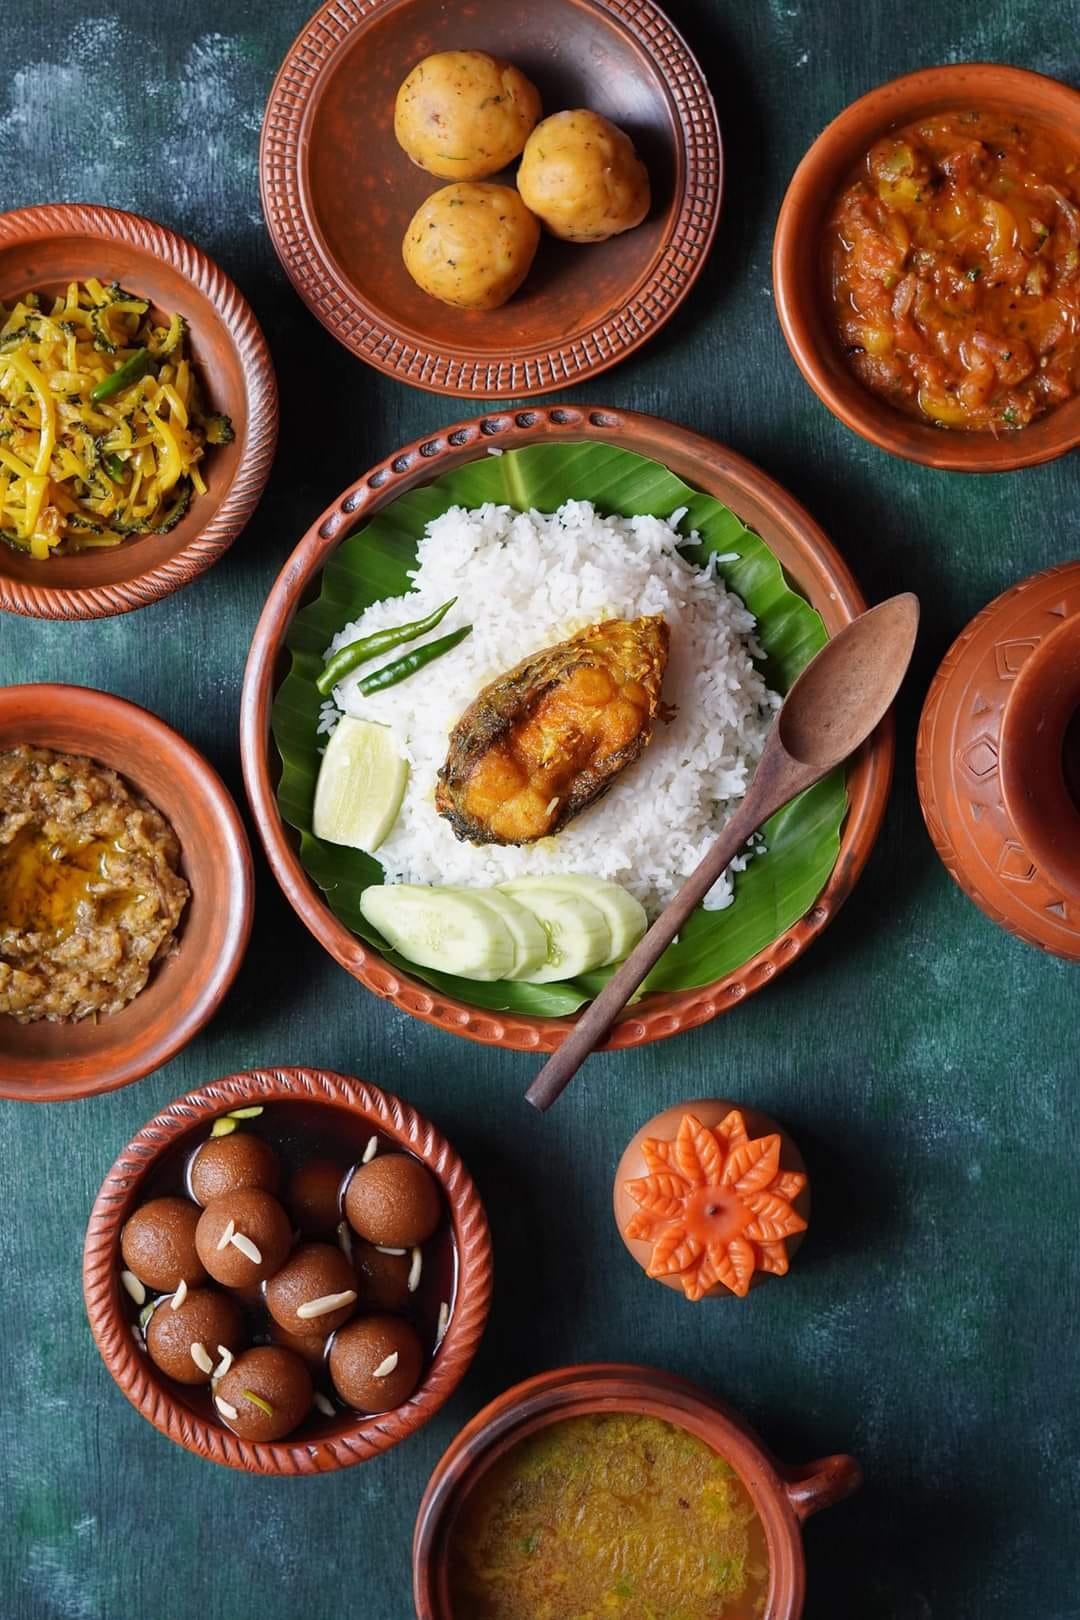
{"points": [[338, 191], [321, 1445], [960, 763], [50, 1062], [41, 250], [808, 559]]}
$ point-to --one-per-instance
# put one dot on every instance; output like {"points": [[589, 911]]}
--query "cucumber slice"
{"points": [[360, 787], [579, 938], [625, 916], [530, 940], [449, 930]]}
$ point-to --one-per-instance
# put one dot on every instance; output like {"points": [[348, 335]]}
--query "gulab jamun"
{"points": [[187, 1342], [382, 1279], [315, 1290], [224, 1164], [375, 1362], [265, 1393], [393, 1200], [159, 1244], [243, 1237], [310, 1347], [313, 1197]]}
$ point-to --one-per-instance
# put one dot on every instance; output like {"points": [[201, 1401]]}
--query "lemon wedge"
{"points": [[361, 784]]}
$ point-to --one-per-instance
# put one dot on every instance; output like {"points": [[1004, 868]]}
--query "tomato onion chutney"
{"points": [[954, 258]]}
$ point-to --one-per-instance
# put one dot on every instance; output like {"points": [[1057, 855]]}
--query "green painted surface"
{"points": [[926, 1062]]}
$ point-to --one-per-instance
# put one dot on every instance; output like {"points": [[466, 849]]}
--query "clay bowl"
{"points": [[41, 250], [783, 1497], [808, 559], [801, 284], [998, 760], [321, 1444], [49, 1062], [338, 191]]}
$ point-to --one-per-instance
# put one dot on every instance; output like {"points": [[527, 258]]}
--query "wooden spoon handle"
{"points": [[598, 1018]]}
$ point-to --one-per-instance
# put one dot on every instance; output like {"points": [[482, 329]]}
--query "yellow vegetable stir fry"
{"points": [[101, 427]]}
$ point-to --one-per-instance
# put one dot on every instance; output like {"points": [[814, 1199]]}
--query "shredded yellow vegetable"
{"points": [[101, 426]]}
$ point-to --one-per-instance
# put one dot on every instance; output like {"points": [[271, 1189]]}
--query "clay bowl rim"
{"points": [[85, 705], [219, 293], [783, 1496], [801, 300], [1032, 693], [834, 593], [529, 369], [353, 1440]]}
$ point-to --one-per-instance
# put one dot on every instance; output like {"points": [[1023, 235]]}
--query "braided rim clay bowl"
{"points": [[990, 765], [41, 250], [338, 191], [809, 561], [783, 1497], [801, 281], [50, 1062], [335, 1442]]}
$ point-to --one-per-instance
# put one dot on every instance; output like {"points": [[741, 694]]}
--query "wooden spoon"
{"points": [[839, 698]]}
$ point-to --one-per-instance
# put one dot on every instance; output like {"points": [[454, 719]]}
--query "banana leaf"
{"points": [[801, 842]]}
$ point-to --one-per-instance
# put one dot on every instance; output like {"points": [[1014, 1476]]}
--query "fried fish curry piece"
{"points": [[544, 740]]}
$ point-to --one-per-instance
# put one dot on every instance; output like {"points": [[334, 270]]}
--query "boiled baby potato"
{"points": [[463, 114], [580, 173], [471, 245]]}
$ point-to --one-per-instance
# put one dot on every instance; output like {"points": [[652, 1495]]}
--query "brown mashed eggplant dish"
{"points": [[90, 896], [548, 738]]}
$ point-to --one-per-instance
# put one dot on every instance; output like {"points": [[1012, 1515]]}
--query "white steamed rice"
{"points": [[524, 581]]}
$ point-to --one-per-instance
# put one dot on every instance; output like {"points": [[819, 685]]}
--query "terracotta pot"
{"points": [[997, 760], [1038, 775], [808, 559], [726, 1215], [803, 297], [348, 1438], [41, 250], [338, 191], [47, 1062], [783, 1497]]}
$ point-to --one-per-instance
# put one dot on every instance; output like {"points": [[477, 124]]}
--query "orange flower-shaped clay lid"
{"points": [[710, 1198]]}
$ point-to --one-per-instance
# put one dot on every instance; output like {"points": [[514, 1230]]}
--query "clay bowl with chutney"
{"points": [[338, 191], [809, 561], [42, 250], [339, 1115], [49, 1061], [782, 1497], [802, 273]]}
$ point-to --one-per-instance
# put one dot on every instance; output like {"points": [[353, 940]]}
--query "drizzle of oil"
{"points": [[43, 883]]}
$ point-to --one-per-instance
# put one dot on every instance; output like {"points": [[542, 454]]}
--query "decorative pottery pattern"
{"points": [[538, 366], [804, 552], [957, 763], [355, 1438], [38, 598]]}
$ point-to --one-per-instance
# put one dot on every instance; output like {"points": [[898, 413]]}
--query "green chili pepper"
{"points": [[346, 659], [390, 674], [130, 372], [115, 468]]}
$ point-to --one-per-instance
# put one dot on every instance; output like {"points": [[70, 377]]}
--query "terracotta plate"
{"points": [[963, 765], [47, 1062], [41, 250], [808, 559], [349, 1437], [338, 191]]}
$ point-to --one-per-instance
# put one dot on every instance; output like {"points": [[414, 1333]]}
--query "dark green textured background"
{"points": [[926, 1062]]}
